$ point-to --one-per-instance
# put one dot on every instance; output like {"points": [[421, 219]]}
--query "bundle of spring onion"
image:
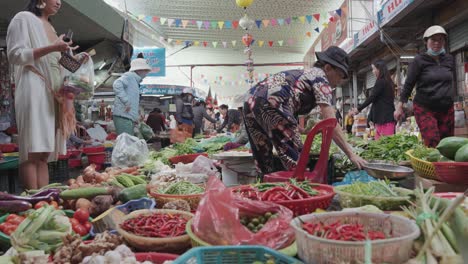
{"points": [[377, 188], [183, 188], [444, 227]]}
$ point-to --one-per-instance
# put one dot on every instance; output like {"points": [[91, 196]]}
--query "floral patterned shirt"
{"points": [[293, 92]]}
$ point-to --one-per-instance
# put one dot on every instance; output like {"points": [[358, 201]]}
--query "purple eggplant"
{"points": [[30, 199], [54, 191], [14, 206]]}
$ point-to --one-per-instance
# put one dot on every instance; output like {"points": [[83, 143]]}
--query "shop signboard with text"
{"points": [[391, 8], [365, 32], [159, 89]]}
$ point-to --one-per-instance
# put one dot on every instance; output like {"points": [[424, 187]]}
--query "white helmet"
{"points": [[433, 30]]}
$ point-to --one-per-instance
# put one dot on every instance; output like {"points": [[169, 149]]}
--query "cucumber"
{"points": [[137, 180], [85, 192], [125, 180], [116, 183], [132, 193]]}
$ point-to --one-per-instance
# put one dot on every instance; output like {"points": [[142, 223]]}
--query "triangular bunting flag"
{"points": [[288, 20], [148, 19], [170, 21], [220, 24], [309, 34], [270, 43], [260, 43], [207, 24], [162, 20], [302, 19], [199, 24], [214, 24], [234, 42], [196, 44], [295, 18], [205, 44], [215, 43], [280, 21], [332, 19], [338, 12], [141, 17], [235, 24], [224, 44], [228, 24], [178, 22], [309, 19], [178, 42], [325, 25], [280, 42], [258, 22], [185, 23], [317, 17], [155, 19], [265, 22], [331, 13], [273, 22], [169, 40], [187, 42], [253, 41], [317, 29]]}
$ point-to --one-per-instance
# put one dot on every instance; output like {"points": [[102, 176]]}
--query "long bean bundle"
{"points": [[183, 188], [376, 188]]}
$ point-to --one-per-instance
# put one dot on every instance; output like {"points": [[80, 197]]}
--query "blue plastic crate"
{"points": [[234, 255]]}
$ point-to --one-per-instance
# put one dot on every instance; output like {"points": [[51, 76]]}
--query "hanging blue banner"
{"points": [[156, 58]]}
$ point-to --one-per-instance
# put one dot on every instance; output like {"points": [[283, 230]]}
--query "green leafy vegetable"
{"points": [[378, 188], [391, 148]]}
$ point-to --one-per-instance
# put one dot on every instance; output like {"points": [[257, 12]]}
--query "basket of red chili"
{"points": [[156, 230], [347, 237]]}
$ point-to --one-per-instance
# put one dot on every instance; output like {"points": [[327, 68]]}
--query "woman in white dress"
{"points": [[34, 49]]}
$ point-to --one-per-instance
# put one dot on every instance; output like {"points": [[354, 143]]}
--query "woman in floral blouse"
{"points": [[271, 110]]}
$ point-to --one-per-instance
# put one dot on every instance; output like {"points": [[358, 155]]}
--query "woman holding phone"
{"points": [[34, 49]]}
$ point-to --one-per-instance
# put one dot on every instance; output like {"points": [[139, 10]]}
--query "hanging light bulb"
{"points": [[246, 23]]}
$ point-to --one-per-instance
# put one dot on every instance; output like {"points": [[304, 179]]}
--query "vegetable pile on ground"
{"points": [[343, 231], [391, 148], [156, 225], [255, 224]]}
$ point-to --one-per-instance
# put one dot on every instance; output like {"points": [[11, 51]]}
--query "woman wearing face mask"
{"points": [[381, 98], [273, 104], [34, 48], [432, 72]]}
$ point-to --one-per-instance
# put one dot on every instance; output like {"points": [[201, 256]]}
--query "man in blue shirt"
{"points": [[127, 96]]}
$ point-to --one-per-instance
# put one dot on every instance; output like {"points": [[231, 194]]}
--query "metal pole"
{"points": [[355, 101], [191, 75]]}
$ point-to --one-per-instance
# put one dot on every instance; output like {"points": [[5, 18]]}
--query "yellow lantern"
{"points": [[244, 3]]}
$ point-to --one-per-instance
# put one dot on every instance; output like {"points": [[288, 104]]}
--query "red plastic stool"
{"points": [[319, 174]]}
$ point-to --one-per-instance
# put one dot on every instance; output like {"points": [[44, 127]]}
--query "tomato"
{"points": [[80, 229], [14, 219], [88, 226], [40, 204], [74, 222], [10, 217], [54, 204], [81, 215], [2, 227], [10, 229]]}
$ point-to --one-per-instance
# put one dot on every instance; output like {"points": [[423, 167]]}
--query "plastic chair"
{"points": [[319, 174]]}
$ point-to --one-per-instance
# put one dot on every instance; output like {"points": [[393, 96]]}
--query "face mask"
{"points": [[436, 53]]}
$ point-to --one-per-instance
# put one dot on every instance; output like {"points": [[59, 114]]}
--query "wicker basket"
{"points": [[161, 199], [290, 250], [348, 200], [424, 168], [176, 245], [313, 249]]}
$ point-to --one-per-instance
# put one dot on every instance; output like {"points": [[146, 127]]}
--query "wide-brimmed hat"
{"points": [[336, 57], [139, 65]]}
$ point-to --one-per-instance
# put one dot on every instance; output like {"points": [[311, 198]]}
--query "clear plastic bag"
{"points": [[81, 82], [217, 220], [204, 165], [129, 151], [146, 131]]}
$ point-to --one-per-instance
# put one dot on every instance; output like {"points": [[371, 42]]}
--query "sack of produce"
{"points": [[129, 151], [146, 131], [224, 218], [81, 82]]}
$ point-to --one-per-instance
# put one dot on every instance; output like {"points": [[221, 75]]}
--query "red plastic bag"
{"points": [[217, 220]]}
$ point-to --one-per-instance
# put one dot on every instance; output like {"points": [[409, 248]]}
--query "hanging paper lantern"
{"points": [[246, 23], [247, 39], [244, 3]]}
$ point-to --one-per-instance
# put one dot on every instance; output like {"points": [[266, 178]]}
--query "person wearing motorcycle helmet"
{"points": [[184, 111], [432, 72]]}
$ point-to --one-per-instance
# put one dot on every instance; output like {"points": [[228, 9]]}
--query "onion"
{"points": [[83, 203], [99, 178]]}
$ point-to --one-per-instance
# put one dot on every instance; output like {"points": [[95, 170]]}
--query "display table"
{"points": [[439, 186]]}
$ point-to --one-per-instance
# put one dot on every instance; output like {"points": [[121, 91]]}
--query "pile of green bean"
{"points": [[183, 188], [376, 188]]}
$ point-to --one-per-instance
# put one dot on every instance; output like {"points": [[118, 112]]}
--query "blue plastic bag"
{"points": [[354, 176]]}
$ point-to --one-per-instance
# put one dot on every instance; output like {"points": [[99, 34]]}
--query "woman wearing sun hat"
{"points": [[432, 72], [127, 96], [273, 104]]}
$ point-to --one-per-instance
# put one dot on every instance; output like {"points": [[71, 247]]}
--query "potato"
{"points": [[83, 204]]}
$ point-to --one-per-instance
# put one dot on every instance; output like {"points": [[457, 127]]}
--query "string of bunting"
{"points": [[231, 81], [234, 24]]}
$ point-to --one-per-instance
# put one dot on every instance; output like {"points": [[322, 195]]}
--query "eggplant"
{"points": [[54, 191], [31, 199], [14, 206]]}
